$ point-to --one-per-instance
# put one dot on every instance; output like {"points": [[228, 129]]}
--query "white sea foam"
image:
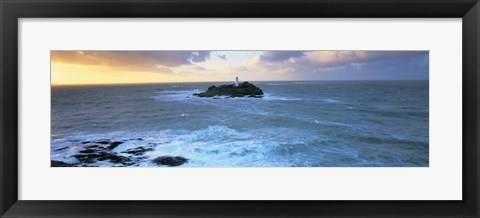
{"points": [[290, 126], [271, 97], [331, 100], [184, 95], [211, 146]]}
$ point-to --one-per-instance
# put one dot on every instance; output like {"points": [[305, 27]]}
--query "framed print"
{"points": [[234, 124], [226, 108]]}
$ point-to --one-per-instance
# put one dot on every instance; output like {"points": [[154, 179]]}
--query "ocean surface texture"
{"points": [[296, 124]]}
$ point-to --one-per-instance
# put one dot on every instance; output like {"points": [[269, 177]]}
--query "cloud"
{"points": [[131, 60], [223, 57], [259, 64], [317, 61], [163, 69], [338, 58], [281, 55], [241, 69], [199, 68]]}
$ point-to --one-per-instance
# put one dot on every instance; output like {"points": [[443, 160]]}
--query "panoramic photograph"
{"points": [[239, 108]]}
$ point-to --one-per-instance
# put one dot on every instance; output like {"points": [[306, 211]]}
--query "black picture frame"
{"points": [[12, 10]]}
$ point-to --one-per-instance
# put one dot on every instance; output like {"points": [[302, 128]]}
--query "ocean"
{"points": [[296, 124]]}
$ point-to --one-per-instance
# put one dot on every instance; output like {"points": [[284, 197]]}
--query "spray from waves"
{"points": [[271, 97], [345, 124], [211, 146], [220, 146], [332, 100], [245, 105], [187, 96]]}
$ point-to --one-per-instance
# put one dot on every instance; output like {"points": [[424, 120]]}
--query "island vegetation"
{"points": [[244, 89]]}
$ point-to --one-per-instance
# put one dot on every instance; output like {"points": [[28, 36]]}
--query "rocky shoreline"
{"points": [[102, 150], [244, 89]]}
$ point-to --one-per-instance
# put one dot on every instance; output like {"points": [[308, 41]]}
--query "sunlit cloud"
{"points": [[178, 66], [131, 60], [163, 69], [199, 68]]}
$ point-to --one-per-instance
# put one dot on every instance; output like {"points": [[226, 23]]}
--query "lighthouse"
{"points": [[236, 81]]}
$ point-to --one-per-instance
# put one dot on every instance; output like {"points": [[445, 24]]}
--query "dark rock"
{"points": [[137, 151], [101, 156], [86, 158], [244, 89], [60, 149], [114, 144], [86, 142], [170, 161], [87, 151], [56, 163], [115, 158], [103, 142]]}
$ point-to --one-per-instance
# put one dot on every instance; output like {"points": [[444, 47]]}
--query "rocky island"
{"points": [[237, 89]]}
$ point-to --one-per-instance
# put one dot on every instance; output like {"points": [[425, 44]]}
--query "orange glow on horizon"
{"points": [[77, 74], [149, 67]]}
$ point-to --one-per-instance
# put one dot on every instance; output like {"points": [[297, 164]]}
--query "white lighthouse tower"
{"points": [[236, 81]]}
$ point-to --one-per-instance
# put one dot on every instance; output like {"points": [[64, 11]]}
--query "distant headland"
{"points": [[237, 89]]}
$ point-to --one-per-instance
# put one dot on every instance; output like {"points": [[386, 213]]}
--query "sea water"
{"points": [[295, 124]]}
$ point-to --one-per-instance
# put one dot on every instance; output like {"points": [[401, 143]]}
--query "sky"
{"points": [[113, 67]]}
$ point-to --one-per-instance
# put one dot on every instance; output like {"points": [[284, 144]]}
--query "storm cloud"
{"points": [[281, 55], [307, 62]]}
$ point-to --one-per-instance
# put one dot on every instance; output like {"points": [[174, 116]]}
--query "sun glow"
{"points": [[74, 74], [120, 67]]}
